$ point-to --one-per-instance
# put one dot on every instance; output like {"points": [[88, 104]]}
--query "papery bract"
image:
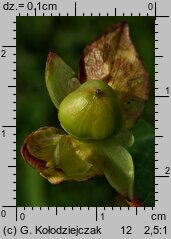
{"points": [[113, 58]]}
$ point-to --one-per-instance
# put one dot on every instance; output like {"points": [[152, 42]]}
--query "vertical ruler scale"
{"points": [[8, 109], [162, 104], [92, 222]]}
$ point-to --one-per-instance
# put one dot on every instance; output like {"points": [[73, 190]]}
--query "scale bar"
{"points": [[162, 176]]}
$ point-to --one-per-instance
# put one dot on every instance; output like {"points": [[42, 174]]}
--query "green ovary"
{"points": [[91, 112]]}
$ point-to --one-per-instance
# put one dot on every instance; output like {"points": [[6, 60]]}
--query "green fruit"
{"points": [[91, 112]]}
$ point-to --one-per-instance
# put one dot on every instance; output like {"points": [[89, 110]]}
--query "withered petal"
{"points": [[31, 160], [113, 58], [52, 152]]}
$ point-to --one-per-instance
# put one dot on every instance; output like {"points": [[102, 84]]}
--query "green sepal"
{"points": [[113, 160], [118, 168], [60, 80]]}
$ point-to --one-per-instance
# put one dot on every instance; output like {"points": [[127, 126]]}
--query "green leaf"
{"points": [[144, 161], [60, 79]]}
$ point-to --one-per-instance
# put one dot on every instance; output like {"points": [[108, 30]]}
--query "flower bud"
{"points": [[91, 112]]}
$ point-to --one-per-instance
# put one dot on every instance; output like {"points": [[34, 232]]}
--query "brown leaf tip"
{"points": [[135, 202], [52, 54]]}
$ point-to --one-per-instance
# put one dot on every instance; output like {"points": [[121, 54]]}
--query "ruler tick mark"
{"points": [[161, 96], [155, 10], [8, 46], [75, 9], [8, 126], [16, 214], [96, 214]]}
